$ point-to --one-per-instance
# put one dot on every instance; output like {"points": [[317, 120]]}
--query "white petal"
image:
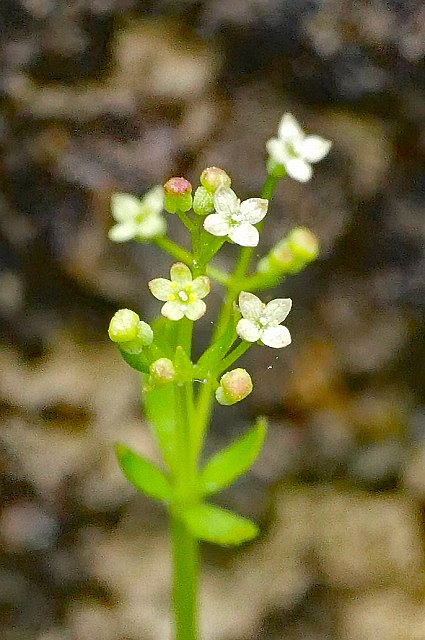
{"points": [[181, 274], [226, 201], [244, 234], [153, 225], [289, 129], [122, 232], [298, 169], [277, 150], [173, 310], [161, 288], [313, 148], [248, 330], [125, 207], [217, 224], [153, 200], [250, 306], [276, 337], [195, 309], [200, 286], [277, 310], [254, 209]]}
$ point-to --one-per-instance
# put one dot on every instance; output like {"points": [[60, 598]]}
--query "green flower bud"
{"points": [[303, 244], [124, 326], [177, 195], [234, 386], [129, 332], [213, 177], [203, 202], [291, 254], [162, 371]]}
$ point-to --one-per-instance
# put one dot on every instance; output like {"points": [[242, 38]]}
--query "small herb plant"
{"points": [[179, 393]]}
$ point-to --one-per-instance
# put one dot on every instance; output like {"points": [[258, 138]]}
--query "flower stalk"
{"points": [[180, 395]]}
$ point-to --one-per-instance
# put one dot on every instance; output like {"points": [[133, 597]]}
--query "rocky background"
{"points": [[98, 95]]}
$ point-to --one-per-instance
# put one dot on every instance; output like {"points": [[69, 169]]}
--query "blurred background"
{"points": [[104, 95]]}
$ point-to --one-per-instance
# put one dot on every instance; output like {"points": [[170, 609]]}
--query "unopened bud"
{"points": [[234, 386], [303, 244], [203, 202], [214, 177], [129, 332], [177, 195], [292, 253], [162, 371]]}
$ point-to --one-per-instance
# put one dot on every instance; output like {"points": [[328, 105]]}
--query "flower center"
{"points": [[183, 296], [262, 321]]}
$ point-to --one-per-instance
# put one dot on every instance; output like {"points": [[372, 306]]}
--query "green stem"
{"points": [[185, 582], [174, 250], [234, 355], [186, 221]]}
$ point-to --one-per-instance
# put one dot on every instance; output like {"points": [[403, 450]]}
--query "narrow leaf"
{"points": [[142, 474], [159, 409], [230, 463], [213, 524]]}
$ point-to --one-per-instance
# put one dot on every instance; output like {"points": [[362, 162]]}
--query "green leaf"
{"points": [[159, 409], [137, 361], [213, 524], [165, 335], [142, 474], [216, 352], [183, 364], [227, 465]]}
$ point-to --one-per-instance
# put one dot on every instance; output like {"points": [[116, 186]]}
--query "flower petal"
{"points": [[289, 130], [217, 224], [173, 310], [200, 286], [276, 337], [248, 330], [298, 169], [226, 201], [125, 207], [161, 288], [277, 150], [153, 200], [122, 232], [313, 148], [250, 306], [195, 309], [277, 310], [244, 234], [253, 210], [181, 274], [153, 225]]}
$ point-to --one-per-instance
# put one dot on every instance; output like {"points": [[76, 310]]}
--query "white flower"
{"points": [[181, 294], [295, 150], [262, 321], [234, 218], [137, 218]]}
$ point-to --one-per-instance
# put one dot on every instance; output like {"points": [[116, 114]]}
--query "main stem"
{"points": [[185, 582]]}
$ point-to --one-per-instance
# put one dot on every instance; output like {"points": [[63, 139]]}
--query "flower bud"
{"points": [[177, 195], [203, 202], [291, 254], [124, 326], [303, 244], [162, 371], [213, 177], [129, 332], [234, 386]]}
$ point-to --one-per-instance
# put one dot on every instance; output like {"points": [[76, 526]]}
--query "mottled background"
{"points": [[98, 95]]}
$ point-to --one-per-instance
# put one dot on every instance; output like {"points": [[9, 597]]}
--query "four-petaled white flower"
{"points": [[137, 218], [181, 294], [234, 218], [262, 321], [295, 150]]}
